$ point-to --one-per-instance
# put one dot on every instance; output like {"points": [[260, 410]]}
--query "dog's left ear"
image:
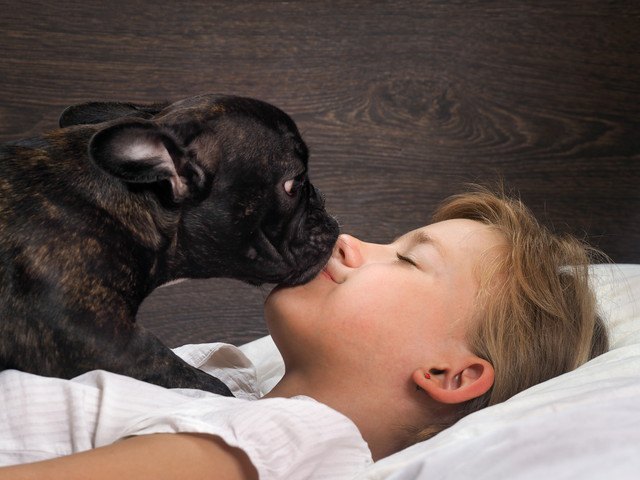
{"points": [[97, 112], [139, 151]]}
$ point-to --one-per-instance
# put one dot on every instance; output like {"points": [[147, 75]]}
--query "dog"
{"points": [[123, 198]]}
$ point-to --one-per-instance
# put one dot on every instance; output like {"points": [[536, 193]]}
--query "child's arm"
{"points": [[157, 457]]}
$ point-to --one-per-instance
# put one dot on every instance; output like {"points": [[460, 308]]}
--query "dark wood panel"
{"points": [[401, 103]]}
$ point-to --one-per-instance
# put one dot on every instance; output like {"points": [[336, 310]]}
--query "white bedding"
{"points": [[583, 425]]}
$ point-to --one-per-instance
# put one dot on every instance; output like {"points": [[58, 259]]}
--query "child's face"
{"points": [[379, 308]]}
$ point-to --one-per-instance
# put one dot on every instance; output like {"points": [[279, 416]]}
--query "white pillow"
{"points": [[617, 288], [584, 424]]}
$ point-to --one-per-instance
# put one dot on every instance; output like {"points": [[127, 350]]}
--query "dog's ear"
{"points": [[98, 112], [139, 151]]}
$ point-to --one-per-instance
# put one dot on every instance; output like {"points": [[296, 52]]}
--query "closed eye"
{"points": [[408, 260]]}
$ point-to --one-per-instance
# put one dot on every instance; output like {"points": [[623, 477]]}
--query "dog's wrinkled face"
{"points": [[236, 168]]}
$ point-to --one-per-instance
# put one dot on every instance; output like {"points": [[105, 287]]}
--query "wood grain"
{"points": [[400, 102]]}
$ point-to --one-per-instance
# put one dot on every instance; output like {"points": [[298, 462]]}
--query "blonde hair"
{"points": [[538, 319]]}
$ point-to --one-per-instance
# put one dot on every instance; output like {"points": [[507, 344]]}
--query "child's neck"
{"points": [[376, 420]]}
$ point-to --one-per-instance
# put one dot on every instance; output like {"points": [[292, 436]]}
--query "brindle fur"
{"points": [[85, 236]]}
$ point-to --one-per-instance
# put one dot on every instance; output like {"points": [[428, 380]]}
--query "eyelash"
{"points": [[402, 258]]}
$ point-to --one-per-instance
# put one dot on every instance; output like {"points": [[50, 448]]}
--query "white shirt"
{"points": [[297, 438]]}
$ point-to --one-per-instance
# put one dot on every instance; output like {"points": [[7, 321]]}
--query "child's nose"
{"points": [[348, 250]]}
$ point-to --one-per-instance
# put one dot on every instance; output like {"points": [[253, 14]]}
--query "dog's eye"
{"points": [[292, 185], [288, 186]]}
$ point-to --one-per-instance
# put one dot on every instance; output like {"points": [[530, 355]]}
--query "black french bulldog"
{"points": [[124, 198]]}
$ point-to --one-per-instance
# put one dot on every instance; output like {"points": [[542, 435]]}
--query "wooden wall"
{"points": [[400, 102]]}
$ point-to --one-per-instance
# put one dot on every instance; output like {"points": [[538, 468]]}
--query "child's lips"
{"points": [[327, 275]]}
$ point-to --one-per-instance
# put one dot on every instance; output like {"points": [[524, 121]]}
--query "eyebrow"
{"points": [[420, 237]]}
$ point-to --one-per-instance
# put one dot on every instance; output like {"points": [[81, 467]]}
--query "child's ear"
{"points": [[451, 384]]}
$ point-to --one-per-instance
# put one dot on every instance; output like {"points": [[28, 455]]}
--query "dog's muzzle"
{"points": [[305, 243]]}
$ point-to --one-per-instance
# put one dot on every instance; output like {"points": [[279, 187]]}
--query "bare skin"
{"points": [[148, 457]]}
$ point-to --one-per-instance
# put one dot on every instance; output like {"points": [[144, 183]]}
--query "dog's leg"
{"points": [[120, 347], [153, 362], [144, 357]]}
